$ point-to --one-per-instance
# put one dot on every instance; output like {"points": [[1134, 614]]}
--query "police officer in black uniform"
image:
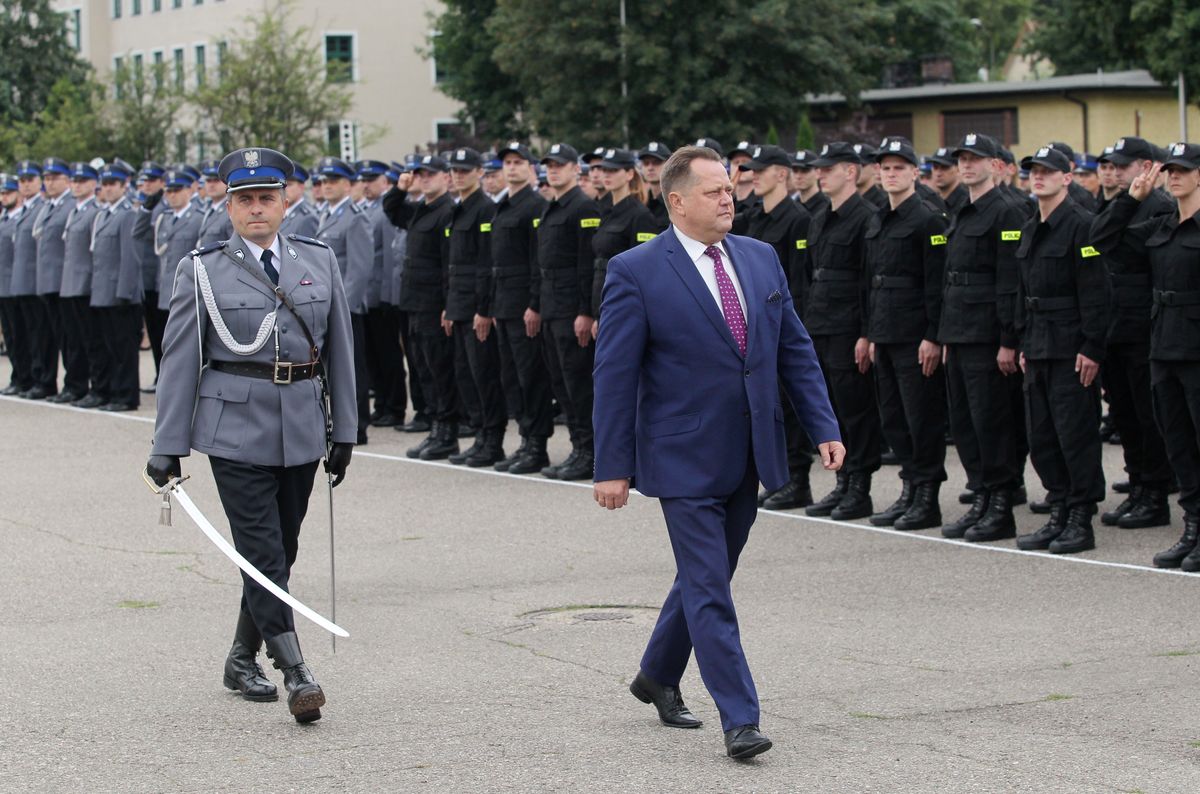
{"points": [[423, 297], [808, 188], [1169, 244], [1078, 193], [905, 252], [1126, 374], [944, 167], [1063, 317], [868, 178], [744, 196], [626, 222], [652, 156], [565, 257]]}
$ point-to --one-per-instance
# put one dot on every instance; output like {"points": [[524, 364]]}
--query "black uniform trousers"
{"points": [[912, 409], [853, 396], [418, 384], [78, 334], [156, 324], [47, 348], [483, 373], [362, 378], [18, 353], [435, 354], [470, 403], [265, 506], [521, 357], [570, 368], [983, 421], [1176, 386], [100, 361], [121, 329], [1127, 381], [385, 360], [1063, 420], [34, 340]]}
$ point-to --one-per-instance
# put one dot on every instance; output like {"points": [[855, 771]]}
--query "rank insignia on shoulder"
{"points": [[937, 239], [302, 239], [1088, 251], [207, 249], [239, 254], [589, 223], [1010, 237]]}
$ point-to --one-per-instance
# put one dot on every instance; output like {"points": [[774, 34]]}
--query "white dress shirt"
{"points": [[704, 264], [256, 252]]}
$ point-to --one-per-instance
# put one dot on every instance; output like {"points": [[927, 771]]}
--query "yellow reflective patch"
{"points": [[537, 222], [801, 245], [447, 231], [645, 236], [485, 227], [937, 239], [1010, 237], [589, 223], [1087, 251]]}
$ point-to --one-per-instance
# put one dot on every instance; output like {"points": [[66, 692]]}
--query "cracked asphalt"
{"points": [[496, 621]]}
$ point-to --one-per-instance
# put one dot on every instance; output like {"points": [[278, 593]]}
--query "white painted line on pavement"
{"points": [[778, 513]]}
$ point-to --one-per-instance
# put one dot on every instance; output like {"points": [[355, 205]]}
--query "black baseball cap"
{"points": [[561, 153], [1128, 149], [465, 159], [656, 151], [977, 144], [1049, 157], [743, 148], [617, 159], [594, 155], [515, 147], [765, 156], [943, 156], [431, 162], [711, 143], [866, 152], [898, 147], [1184, 155], [836, 152], [803, 159], [1064, 148]]}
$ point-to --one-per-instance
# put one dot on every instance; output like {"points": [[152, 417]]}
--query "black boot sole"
{"points": [[307, 707], [271, 698], [933, 522], [644, 696], [1162, 521]]}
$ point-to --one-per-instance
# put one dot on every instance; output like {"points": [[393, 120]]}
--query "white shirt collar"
{"points": [[695, 249], [256, 251], [292, 208], [332, 208], [180, 213]]}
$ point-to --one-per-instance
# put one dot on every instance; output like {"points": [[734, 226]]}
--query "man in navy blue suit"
{"points": [[698, 333]]}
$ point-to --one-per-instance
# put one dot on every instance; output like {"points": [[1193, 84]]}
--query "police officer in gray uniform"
{"points": [[175, 231], [214, 223], [117, 289], [30, 324], [84, 354], [150, 210], [48, 232], [248, 393], [10, 205], [300, 217]]}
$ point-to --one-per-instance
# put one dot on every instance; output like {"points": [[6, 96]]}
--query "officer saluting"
{"points": [[248, 393]]}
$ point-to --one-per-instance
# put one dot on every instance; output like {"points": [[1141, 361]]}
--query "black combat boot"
{"points": [[797, 492], [1110, 518], [533, 460], [305, 697], [1040, 507], [582, 469], [513, 458], [857, 501], [242, 672], [824, 506], [966, 496], [428, 441], [1077, 536], [764, 495], [896, 508], [420, 424], [970, 518], [444, 444], [925, 512], [997, 523], [491, 452], [1183, 549], [1153, 510], [1042, 538], [459, 458], [551, 472]]}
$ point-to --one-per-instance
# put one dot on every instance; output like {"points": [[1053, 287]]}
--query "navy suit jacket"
{"points": [[678, 409]]}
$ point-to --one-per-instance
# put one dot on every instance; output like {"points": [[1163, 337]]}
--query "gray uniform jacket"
{"points": [[396, 240], [48, 232], [116, 270], [301, 219], [24, 275], [173, 237], [144, 224], [347, 231], [247, 419], [6, 252], [215, 226], [77, 249], [374, 213]]}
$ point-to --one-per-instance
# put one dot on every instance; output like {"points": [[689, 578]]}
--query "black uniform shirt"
{"points": [[784, 228], [424, 281], [658, 208], [905, 251], [1063, 298], [622, 226], [469, 259], [958, 198], [875, 196], [838, 291], [815, 202], [515, 280], [1172, 251], [978, 303], [564, 253]]}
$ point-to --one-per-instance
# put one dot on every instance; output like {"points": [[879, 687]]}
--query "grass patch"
{"points": [[1054, 696], [137, 604], [1177, 653], [1065, 665], [1194, 743]]}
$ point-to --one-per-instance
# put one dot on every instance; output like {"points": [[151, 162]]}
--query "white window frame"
{"points": [[447, 120], [353, 34], [433, 34], [196, 64]]}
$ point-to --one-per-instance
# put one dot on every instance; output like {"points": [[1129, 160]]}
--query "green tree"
{"points": [[72, 125], [36, 54], [273, 89], [1078, 36], [143, 113]]}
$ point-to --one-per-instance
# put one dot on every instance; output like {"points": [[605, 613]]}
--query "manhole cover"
{"points": [[574, 614]]}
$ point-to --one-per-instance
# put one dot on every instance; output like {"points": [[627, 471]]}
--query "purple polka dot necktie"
{"points": [[730, 306]]}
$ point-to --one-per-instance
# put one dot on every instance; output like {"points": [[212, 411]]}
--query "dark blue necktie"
{"points": [[272, 273]]}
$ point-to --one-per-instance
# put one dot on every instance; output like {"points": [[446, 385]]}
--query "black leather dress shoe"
{"points": [[64, 397], [745, 742], [385, 420], [794, 494], [36, 393], [11, 390], [118, 407], [668, 701], [419, 424]]}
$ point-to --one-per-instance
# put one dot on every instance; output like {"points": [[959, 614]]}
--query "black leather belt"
{"points": [[959, 279], [1050, 304], [282, 372], [827, 274], [895, 282], [1165, 297]]}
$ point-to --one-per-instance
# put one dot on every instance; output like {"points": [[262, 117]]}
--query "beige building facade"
{"points": [[394, 87]]}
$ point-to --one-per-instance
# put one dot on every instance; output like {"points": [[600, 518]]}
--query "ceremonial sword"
{"points": [[175, 486]]}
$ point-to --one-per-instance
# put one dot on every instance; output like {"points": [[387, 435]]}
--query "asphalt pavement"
{"points": [[495, 623]]}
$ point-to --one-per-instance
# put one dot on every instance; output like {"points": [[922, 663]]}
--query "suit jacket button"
{"points": [[243, 303], [747, 373]]}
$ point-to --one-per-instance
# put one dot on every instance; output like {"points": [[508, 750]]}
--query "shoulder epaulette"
{"points": [[355, 208], [301, 238], [208, 249]]}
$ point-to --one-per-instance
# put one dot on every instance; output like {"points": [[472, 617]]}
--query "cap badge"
{"points": [[1120, 145], [514, 145], [894, 146], [825, 149], [461, 154], [250, 158], [757, 151], [555, 149], [1043, 152], [427, 159], [700, 142], [609, 154], [942, 152], [971, 139], [858, 148], [1178, 149], [743, 144]]}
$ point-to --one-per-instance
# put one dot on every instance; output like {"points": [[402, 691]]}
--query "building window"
{"points": [[198, 3], [137, 72], [178, 67], [156, 6], [75, 29], [136, 8], [222, 48], [116, 9], [451, 134], [176, 3], [339, 58], [199, 65], [181, 146], [159, 68], [1000, 123], [435, 69], [118, 69]]}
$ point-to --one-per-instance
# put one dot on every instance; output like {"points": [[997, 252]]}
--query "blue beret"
{"points": [[255, 168], [370, 168], [332, 166], [83, 171]]}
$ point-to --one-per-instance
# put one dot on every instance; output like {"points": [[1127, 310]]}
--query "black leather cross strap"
{"points": [[286, 300]]}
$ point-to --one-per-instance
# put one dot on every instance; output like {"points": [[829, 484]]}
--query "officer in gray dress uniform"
{"points": [[117, 289], [150, 209], [214, 222], [82, 350], [174, 232], [299, 217], [47, 231], [385, 362], [30, 323], [248, 393], [10, 205]]}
